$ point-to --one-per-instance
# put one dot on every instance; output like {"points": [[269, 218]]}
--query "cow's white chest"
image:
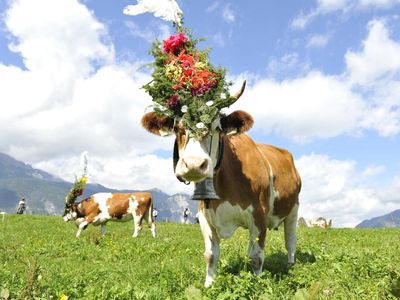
{"points": [[227, 218]]}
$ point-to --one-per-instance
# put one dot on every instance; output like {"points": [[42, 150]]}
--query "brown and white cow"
{"points": [[100, 208], [320, 222], [258, 184]]}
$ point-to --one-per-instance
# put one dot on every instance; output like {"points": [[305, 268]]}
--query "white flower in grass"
{"points": [[184, 109], [200, 125], [209, 103], [223, 96]]}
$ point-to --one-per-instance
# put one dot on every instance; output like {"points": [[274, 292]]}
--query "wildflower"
{"points": [[173, 101], [200, 125], [184, 109], [174, 43], [200, 65], [209, 103]]}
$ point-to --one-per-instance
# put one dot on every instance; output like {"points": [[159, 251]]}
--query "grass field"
{"points": [[40, 258]]}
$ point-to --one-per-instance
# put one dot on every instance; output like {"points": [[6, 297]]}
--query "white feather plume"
{"points": [[167, 10], [84, 162]]}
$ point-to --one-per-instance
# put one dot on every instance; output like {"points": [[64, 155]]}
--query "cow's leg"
{"points": [[103, 229], [150, 222], [256, 248], [137, 224], [153, 229], [211, 252], [290, 224], [81, 227]]}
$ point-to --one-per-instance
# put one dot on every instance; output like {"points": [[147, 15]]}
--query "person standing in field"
{"points": [[21, 206], [155, 213], [185, 215]]}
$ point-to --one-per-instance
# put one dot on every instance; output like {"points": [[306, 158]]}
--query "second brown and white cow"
{"points": [[258, 184], [100, 208], [320, 222]]}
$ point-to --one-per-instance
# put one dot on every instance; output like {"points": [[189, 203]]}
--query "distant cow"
{"points": [[320, 222], [100, 208]]}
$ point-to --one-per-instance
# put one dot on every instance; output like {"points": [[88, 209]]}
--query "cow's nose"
{"points": [[195, 164]]}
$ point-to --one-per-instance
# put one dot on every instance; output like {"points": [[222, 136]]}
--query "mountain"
{"points": [[45, 193], [389, 220]]}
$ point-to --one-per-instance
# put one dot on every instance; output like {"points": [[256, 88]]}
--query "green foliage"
{"points": [[40, 258]]}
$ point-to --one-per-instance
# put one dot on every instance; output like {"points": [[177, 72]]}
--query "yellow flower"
{"points": [[200, 65], [172, 70], [83, 180], [63, 297]]}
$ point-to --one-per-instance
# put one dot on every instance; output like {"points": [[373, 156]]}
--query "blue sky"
{"points": [[323, 82]]}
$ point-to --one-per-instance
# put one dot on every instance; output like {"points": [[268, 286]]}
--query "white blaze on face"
{"points": [[197, 159]]}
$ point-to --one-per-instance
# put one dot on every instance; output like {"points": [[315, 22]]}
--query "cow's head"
{"points": [[196, 159], [70, 212]]}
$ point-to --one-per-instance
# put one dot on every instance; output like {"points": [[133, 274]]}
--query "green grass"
{"points": [[40, 258]]}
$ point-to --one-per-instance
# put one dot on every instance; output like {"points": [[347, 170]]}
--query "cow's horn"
{"points": [[235, 97]]}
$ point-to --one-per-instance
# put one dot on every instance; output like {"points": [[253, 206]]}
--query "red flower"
{"points": [[186, 60], [174, 43], [173, 101]]}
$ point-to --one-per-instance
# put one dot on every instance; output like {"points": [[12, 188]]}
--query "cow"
{"points": [[100, 208], [320, 222], [258, 185]]}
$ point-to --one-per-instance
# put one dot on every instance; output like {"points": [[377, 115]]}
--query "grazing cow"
{"points": [[321, 222], [258, 184], [100, 208]]}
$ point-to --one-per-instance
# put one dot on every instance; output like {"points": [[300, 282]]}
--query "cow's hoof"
{"points": [[208, 283]]}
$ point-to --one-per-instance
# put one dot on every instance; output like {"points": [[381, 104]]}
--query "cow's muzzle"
{"points": [[193, 168]]}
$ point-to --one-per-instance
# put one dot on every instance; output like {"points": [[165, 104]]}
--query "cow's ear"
{"points": [[237, 122], [158, 125]]}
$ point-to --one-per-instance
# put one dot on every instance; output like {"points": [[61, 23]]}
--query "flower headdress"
{"points": [[185, 84], [79, 184]]}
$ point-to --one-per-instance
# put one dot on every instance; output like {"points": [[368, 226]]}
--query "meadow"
{"points": [[40, 258]]}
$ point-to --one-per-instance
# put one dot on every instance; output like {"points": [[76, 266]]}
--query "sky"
{"points": [[323, 82]]}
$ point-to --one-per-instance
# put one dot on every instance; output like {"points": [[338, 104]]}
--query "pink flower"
{"points": [[174, 43]]}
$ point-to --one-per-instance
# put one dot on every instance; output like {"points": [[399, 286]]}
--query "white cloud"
{"points": [[373, 170], [148, 34], [318, 40], [213, 7], [137, 172], [219, 39], [288, 63], [378, 59], [324, 7], [315, 106], [334, 189], [72, 96], [228, 15]]}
